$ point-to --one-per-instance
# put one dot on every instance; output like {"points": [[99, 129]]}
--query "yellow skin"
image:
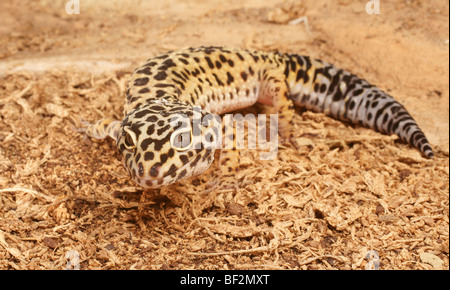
{"points": [[220, 80]]}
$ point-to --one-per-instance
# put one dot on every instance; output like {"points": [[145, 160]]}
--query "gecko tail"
{"points": [[322, 87]]}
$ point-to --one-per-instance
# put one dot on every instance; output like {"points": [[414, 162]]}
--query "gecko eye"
{"points": [[181, 140], [130, 138]]}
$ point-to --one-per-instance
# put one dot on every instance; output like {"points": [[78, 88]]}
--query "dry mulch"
{"points": [[347, 190]]}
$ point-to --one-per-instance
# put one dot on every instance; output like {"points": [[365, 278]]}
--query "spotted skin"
{"points": [[220, 80]]}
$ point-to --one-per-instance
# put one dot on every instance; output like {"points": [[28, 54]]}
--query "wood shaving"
{"points": [[67, 202]]}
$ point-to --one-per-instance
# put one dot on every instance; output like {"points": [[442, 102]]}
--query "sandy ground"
{"points": [[346, 191]]}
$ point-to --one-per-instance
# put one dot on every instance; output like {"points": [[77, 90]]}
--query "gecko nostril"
{"points": [[154, 171], [141, 169]]}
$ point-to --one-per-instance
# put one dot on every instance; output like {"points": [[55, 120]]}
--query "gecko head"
{"points": [[164, 142]]}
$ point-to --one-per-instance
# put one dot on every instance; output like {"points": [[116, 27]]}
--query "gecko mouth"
{"points": [[171, 176], [155, 182]]}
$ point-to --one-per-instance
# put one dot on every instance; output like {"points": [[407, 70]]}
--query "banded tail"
{"points": [[322, 87]]}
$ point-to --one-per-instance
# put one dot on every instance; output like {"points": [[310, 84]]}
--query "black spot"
{"points": [[163, 129], [142, 113], [299, 75], [317, 71], [208, 50], [134, 99], [239, 56], [305, 99], [218, 64], [163, 86], [180, 76], [180, 83], [144, 90], [352, 105], [300, 60], [184, 159], [185, 75], [155, 170], [159, 143], [293, 65], [145, 71], [230, 78], [136, 127], [197, 60], [127, 93], [184, 61], [163, 158], [337, 96], [152, 63], [160, 93], [152, 119], [162, 56], [182, 174], [162, 75], [222, 58], [145, 144], [316, 87], [172, 171], [358, 92], [250, 70], [157, 108], [306, 77], [151, 129], [244, 76], [207, 154], [196, 160], [149, 156], [195, 73], [219, 82], [231, 63], [141, 81], [383, 109], [210, 64]]}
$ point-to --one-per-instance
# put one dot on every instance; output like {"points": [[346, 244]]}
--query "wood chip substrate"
{"points": [[344, 194]]}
